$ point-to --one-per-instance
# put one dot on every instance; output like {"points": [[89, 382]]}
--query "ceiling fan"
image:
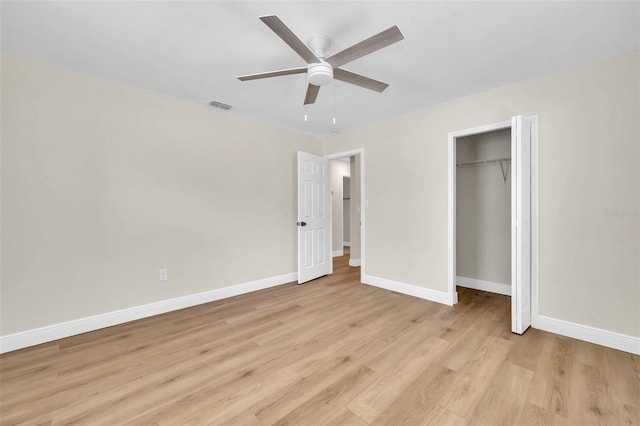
{"points": [[321, 70]]}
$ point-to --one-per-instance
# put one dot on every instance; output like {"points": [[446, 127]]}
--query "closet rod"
{"points": [[482, 162]]}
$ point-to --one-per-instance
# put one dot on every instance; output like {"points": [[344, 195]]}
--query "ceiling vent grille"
{"points": [[220, 105]]}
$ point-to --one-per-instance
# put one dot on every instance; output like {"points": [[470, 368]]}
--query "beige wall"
{"points": [[103, 184], [339, 168], [483, 208], [589, 155]]}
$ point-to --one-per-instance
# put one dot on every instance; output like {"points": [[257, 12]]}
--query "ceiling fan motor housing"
{"points": [[319, 74]]}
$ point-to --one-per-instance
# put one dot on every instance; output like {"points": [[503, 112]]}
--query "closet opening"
{"points": [[483, 211], [493, 214]]}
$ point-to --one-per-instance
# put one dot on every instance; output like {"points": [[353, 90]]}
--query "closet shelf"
{"points": [[482, 162], [505, 171]]}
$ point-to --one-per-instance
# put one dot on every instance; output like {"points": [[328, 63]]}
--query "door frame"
{"points": [[452, 295], [363, 203]]}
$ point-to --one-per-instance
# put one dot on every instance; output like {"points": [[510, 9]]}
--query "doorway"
{"points": [[347, 205], [340, 203], [523, 193]]}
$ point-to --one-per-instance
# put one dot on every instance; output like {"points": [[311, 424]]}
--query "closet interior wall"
{"points": [[483, 214]]}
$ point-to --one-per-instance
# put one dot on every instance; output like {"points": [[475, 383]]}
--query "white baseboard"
{"points": [[354, 262], [338, 253], [484, 285], [12, 342], [346, 244], [37, 336], [611, 339], [408, 289]]}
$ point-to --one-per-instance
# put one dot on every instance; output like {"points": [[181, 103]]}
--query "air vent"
{"points": [[220, 105]]}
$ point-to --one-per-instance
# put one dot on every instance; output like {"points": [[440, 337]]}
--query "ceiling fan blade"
{"points": [[268, 74], [370, 45], [359, 80], [281, 29], [312, 94]]}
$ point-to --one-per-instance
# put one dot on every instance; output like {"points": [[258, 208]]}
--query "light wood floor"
{"points": [[332, 351]]}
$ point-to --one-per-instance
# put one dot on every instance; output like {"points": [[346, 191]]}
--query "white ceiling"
{"points": [[194, 49]]}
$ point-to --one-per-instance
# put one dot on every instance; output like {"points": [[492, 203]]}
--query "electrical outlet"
{"points": [[163, 274]]}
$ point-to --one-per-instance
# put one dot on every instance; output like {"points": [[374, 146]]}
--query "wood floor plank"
{"points": [[532, 415], [471, 384], [414, 404], [463, 348], [440, 416], [229, 399], [590, 401], [624, 376], [331, 351], [117, 405], [318, 371], [521, 353], [320, 406], [246, 419], [550, 386], [504, 401], [345, 417], [278, 405], [370, 403]]}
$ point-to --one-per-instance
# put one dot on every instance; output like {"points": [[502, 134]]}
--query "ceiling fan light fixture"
{"points": [[319, 74]]}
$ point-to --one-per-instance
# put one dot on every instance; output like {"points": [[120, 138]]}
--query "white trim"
{"points": [[535, 240], [611, 339], [408, 289], [337, 253], [363, 204], [354, 262], [342, 206], [330, 214], [481, 129], [483, 285], [49, 333], [346, 244], [451, 220]]}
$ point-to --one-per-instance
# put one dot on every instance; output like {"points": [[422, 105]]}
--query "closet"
{"points": [[483, 211]]}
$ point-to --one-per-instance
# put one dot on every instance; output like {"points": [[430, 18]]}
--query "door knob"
{"points": [[302, 223]]}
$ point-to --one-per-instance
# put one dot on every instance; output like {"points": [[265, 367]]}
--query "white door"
{"points": [[520, 224], [314, 221]]}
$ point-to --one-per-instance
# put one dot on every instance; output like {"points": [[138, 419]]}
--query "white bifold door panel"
{"points": [[520, 224], [314, 222]]}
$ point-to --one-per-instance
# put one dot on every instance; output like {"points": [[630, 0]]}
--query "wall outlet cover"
{"points": [[163, 274]]}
